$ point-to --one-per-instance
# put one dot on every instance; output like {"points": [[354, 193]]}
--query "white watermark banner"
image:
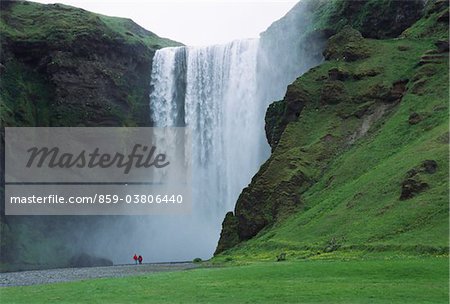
{"points": [[101, 171]]}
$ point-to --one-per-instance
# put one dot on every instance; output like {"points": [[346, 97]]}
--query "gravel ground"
{"points": [[34, 277]]}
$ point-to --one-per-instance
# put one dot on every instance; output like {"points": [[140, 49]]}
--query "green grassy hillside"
{"points": [[59, 23], [360, 154], [64, 66]]}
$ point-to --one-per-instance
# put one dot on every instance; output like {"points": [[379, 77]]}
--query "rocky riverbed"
{"points": [[34, 277]]}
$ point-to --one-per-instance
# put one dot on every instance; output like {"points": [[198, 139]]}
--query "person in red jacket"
{"points": [[140, 259], [135, 258]]}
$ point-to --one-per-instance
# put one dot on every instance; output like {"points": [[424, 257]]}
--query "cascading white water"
{"points": [[221, 93], [221, 108]]}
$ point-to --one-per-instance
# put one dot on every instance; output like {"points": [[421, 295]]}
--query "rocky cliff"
{"points": [[64, 66], [346, 135]]}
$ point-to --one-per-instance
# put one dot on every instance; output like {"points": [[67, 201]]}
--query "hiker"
{"points": [[140, 259], [135, 258]]}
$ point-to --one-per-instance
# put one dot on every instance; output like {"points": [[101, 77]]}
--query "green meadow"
{"points": [[374, 280]]}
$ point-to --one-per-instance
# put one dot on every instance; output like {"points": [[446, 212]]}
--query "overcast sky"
{"points": [[198, 22]]}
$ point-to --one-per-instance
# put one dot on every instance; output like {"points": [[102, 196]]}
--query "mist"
{"points": [[221, 93]]}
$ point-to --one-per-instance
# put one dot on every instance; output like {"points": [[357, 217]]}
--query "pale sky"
{"points": [[193, 22]]}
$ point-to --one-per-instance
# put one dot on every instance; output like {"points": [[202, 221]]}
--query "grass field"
{"points": [[405, 280]]}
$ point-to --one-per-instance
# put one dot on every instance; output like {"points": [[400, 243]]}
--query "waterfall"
{"points": [[213, 91], [221, 92]]}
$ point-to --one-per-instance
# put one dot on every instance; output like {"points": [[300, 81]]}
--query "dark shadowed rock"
{"points": [[444, 17], [367, 73], [442, 46], [91, 74], [338, 74], [333, 92], [438, 6], [295, 98], [259, 206], [274, 125], [430, 166], [386, 93], [397, 91], [411, 187], [414, 118], [378, 19], [427, 166], [418, 87], [86, 260], [280, 113], [229, 235]]}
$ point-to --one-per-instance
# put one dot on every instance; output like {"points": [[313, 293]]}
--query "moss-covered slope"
{"points": [[64, 66], [360, 152]]}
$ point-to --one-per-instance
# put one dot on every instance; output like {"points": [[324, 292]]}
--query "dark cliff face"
{"points": [[90, 82], [64, 66], [378, 18], [327, 110]]}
